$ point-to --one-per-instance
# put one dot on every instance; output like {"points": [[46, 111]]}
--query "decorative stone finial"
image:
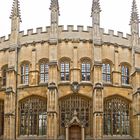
{"points": [[15, 10], [54, 6], [95, 7], [134, 14]]}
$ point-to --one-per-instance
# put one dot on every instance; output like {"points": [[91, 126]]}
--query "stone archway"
{"points": [[75, 132]]}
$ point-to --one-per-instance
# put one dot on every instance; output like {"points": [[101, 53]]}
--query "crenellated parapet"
{"points": [[69, 34]]}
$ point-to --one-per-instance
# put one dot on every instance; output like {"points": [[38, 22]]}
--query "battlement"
{"points": [[70, 32]]}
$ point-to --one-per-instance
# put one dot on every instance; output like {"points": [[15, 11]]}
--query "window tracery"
{"points": [[76, 103], [1, 117], [116, 116], [32, 116]]}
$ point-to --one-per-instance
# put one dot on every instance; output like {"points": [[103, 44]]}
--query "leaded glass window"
{"points": [[116, 116], [85, 71], [24, 73], [33, 116], [106, 73], [125, 74], [44, 72], [1, 117], [72, 103], [64, 71]]}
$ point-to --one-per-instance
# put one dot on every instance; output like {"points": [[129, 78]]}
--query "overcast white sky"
{"points": [[35, 13]]}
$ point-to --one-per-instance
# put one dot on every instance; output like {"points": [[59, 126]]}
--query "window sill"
{"points": [[43, 84], [107, 84], [126, 85], [64, 83], [31, 137], [23, 85], [88, 83]]}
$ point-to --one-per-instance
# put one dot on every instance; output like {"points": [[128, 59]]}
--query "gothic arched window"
{"points": [[125, 74], [32, 116], [72, 103], [64, 71], [116, 116], [106, 72], [85, 71], [44, 72], [1, 117], [25, 73]]}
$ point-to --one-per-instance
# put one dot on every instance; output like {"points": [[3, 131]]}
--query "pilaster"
{"points": [[98, 111], [52, 111], [9, 116], [136, 114], [34, 73]]}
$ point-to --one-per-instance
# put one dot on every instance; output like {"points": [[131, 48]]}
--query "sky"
{"points": [[115, 14]]}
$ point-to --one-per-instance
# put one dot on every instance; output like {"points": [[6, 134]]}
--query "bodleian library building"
{"points": [[70, 84]]}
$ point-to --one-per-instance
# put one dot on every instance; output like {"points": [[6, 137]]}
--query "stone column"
{"points": [[67, 133], [98, 111], [83, 132]]}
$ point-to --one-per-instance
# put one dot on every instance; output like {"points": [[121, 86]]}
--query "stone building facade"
{"points": [[70, 84]]}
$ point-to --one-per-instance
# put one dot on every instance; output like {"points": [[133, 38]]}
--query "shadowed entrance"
{"points": [[75, 132]]}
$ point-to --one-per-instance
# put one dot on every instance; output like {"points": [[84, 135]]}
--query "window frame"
{"points": [[24, 75], [45, 72], [4, 75], [30, 115], [86, 70], [65, 70], [125, 75], [106, 73]]}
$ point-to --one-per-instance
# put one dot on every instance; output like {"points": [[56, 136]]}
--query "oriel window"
{"points": [[125, 74], [44, 72], [85, 71], [106, 73], [65, 71], [25, 74]]}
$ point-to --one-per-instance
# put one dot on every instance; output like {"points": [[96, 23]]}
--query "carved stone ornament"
{"points": [[75, 87]]}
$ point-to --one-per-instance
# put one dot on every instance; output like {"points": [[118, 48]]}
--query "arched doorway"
{"points": [[75, 132], [71, 103]]}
